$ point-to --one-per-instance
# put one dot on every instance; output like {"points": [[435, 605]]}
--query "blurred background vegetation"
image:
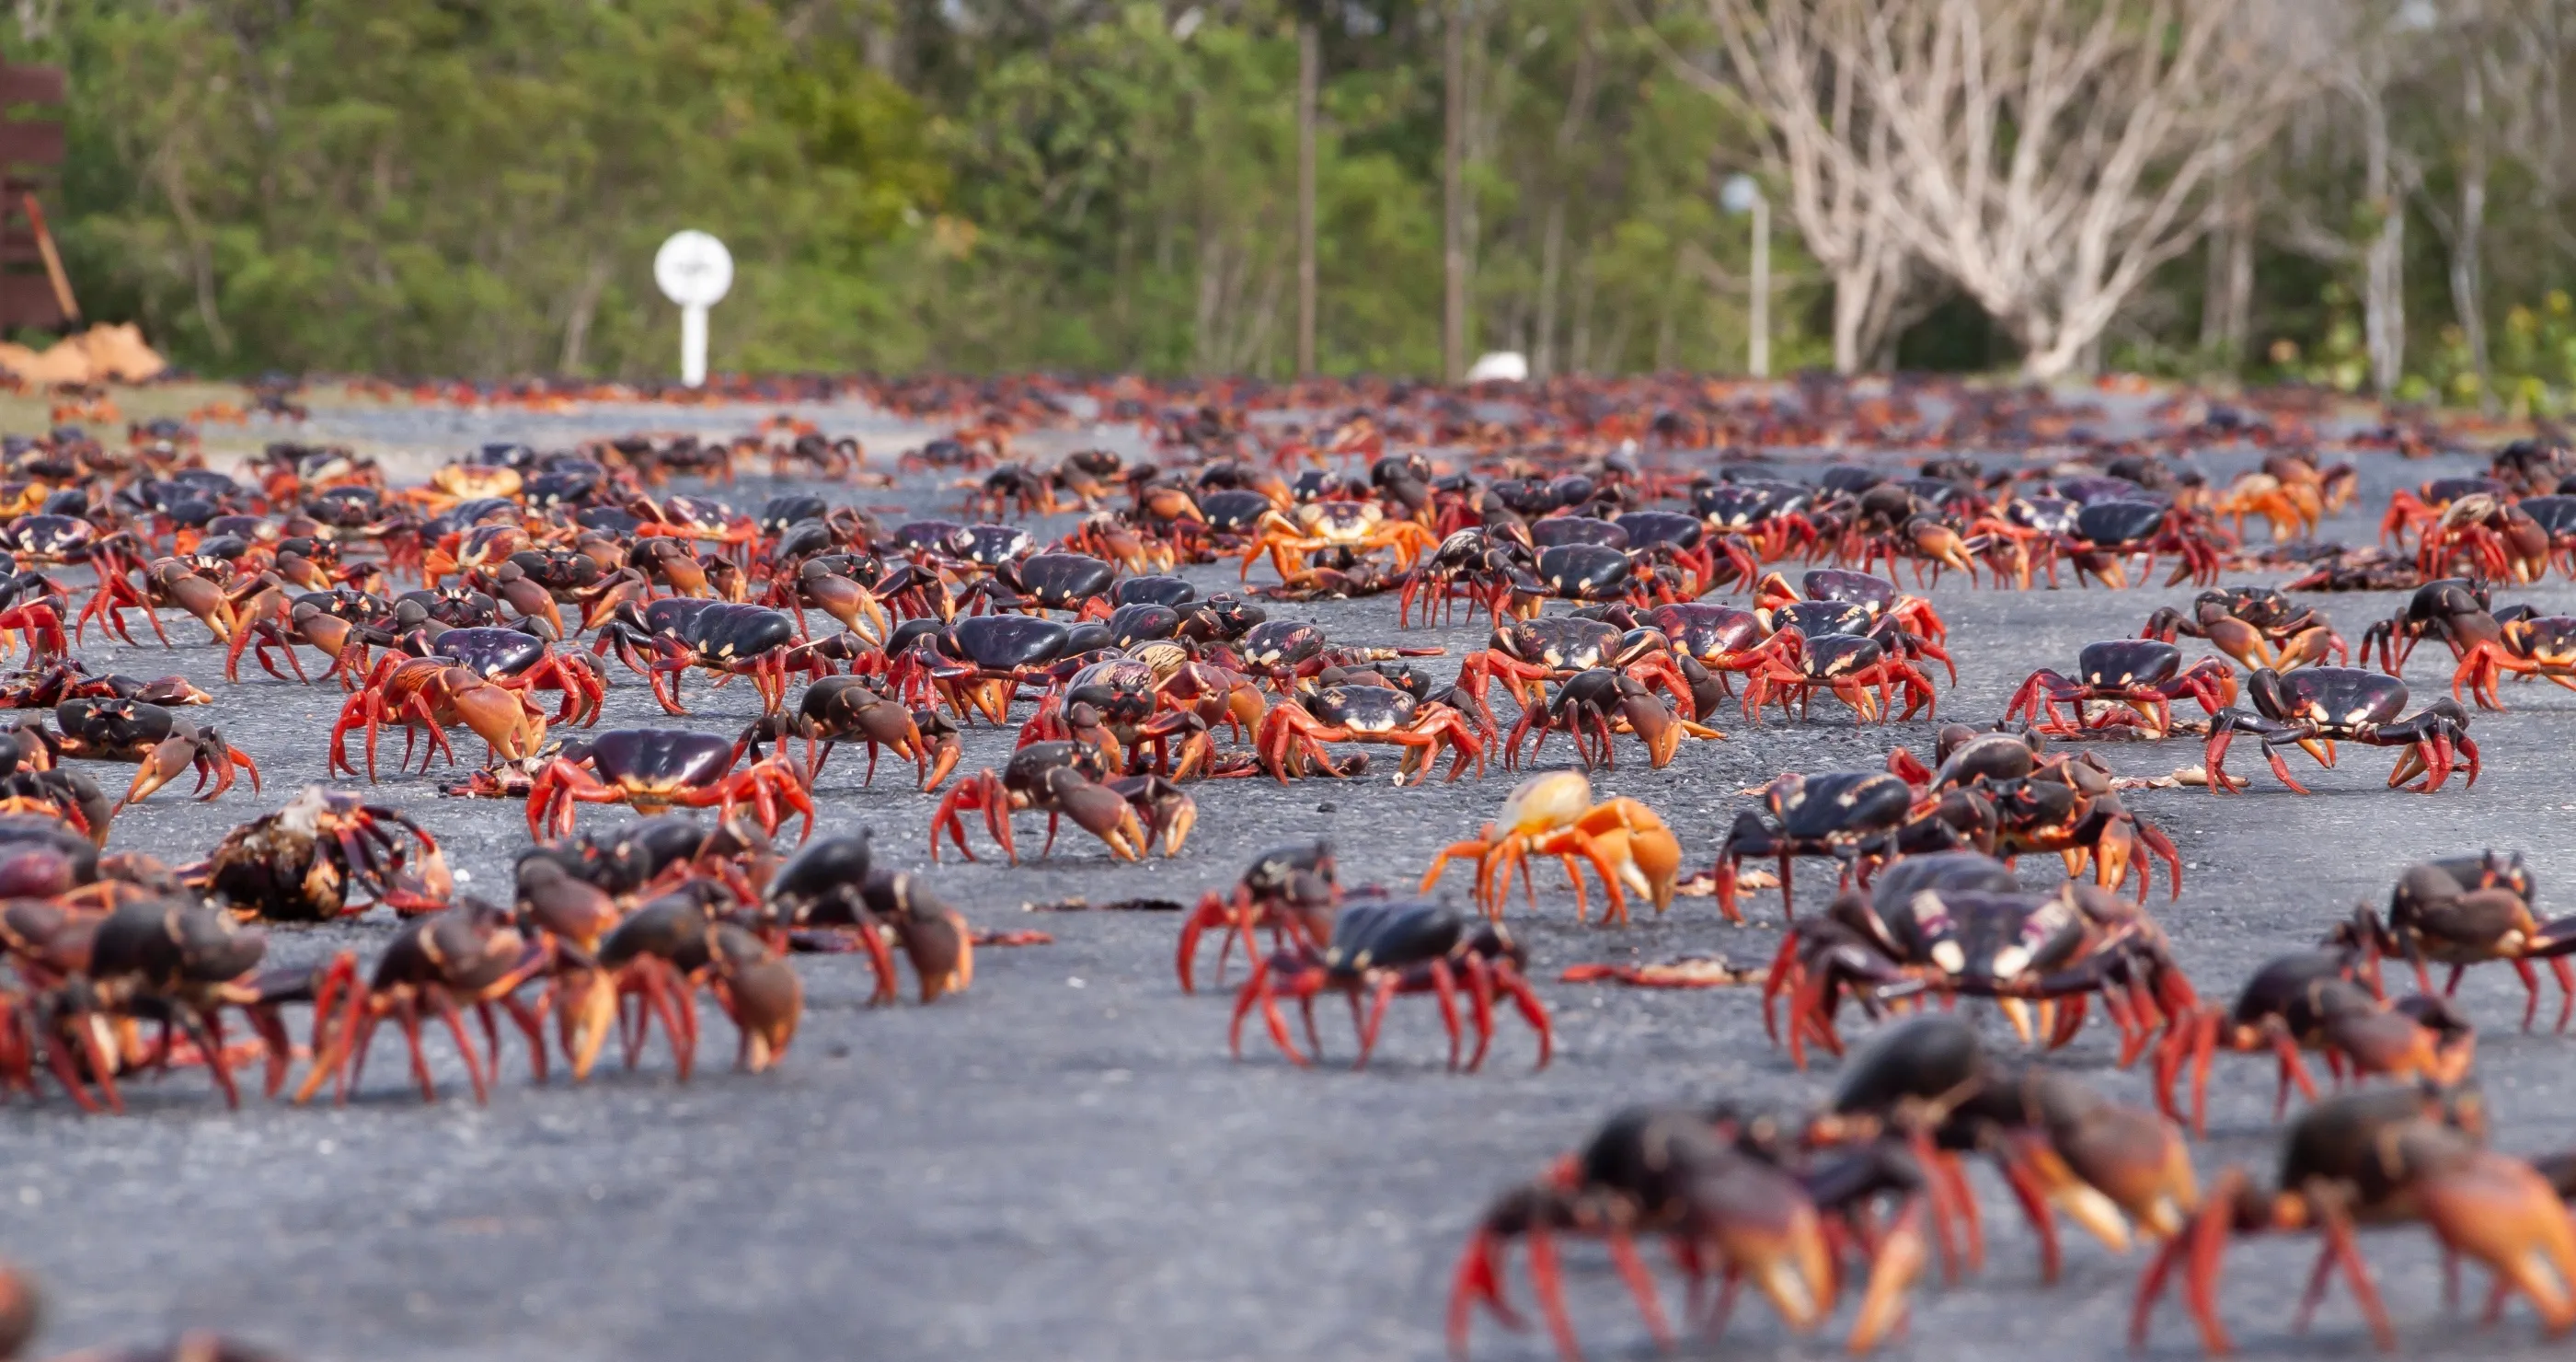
{"points": [[475, 188]]}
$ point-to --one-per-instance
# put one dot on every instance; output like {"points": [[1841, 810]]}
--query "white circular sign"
{"points": [[1739, 194], [693, 269]]}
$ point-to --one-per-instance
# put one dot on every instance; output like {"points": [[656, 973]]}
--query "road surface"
{"points": [[1063, 1163]]}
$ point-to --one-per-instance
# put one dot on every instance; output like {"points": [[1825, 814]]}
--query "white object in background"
{"points": [[1743, 194], [1499, 366], [694, 270]]}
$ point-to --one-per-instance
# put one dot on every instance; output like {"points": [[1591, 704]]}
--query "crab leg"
{"points": [[1479, 985], [1524, 998], [1548, 1285], [1385, 991], [58, 1057], [445, 1006], [1641, 1284], [1256, 990], [207, 1029], [2345, 1248], [1443, 992], [407, 1016], [2026, 1189]]}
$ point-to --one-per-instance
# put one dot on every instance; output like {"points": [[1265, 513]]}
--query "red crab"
{"points": [[655, 768], [2139, 677], [429, 693]]}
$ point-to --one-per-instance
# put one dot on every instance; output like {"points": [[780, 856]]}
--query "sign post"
{"points": [[695, 271], [1743, 194]]}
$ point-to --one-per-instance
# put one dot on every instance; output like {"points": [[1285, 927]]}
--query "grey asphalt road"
{"points": [[1064, 1163]]}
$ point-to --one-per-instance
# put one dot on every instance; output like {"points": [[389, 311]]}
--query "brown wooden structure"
{"points": [[34, 291]]}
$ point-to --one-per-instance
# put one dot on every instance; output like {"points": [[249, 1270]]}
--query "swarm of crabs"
{"points": [[1632, 576]]}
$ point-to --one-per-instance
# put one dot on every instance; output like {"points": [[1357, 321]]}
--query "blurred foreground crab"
{"points": [[325, 854]]}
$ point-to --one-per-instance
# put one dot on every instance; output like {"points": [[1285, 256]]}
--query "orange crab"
{"points": [[1358, 528], [2293, 507], [1626, 843]]}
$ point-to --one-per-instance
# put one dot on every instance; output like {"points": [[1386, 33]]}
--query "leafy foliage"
{"points": [[442, 186], [476, 187]]}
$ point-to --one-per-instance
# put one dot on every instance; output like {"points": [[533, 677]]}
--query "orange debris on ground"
{"points": [[103, 353]]}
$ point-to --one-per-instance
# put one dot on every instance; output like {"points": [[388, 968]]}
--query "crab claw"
{"points": [[943, 756], [206, 601], [498, 716], [585, 1013], [1101, 811], [941, 947], [429, 888], [599, 603], [1892, 1272], [533, 602], [765, 999], [2503, 1213], [1771, 1233], [1167, 812], [1654, 864], [2058, 1187], [1655, 726], [684, 572], [2140, 1162], [166, 762]]}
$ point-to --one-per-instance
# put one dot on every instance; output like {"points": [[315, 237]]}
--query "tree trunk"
{"points": [[1310, 63], [1579, 345], [201, 253], [2384, 302], [2466, 269], [1211, 300], [1664, 330], [1872, 286], [2238, 331], [1551, 265], [1852, 289], [2218, 265], [1896, 302], [1453, 195], [2383, 260], [2047, 156], [577, 320], [2050, 359], [1551, 249]]}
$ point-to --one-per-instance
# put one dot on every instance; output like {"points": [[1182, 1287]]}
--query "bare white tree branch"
{"points": [[2046, 155]]}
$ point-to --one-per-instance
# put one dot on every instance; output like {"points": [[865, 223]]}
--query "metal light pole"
{"points": [[1743, 195]]}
